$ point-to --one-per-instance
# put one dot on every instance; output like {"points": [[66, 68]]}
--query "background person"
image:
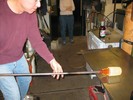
{"points": [[66, 19]]}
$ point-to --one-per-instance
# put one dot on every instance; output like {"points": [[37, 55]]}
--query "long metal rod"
{"points": [[46, 74]]}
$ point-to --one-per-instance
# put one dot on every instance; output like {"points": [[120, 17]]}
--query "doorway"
{"points": [[54, 20]]}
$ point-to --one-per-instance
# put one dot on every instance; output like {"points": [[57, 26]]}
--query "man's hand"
{"points": [[56, 67]]}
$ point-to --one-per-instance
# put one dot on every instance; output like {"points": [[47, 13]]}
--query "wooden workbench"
{"points": [[99, 59]]}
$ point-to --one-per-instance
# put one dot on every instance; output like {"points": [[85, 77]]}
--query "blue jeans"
{"points": [[66, 21], [15, 88]]}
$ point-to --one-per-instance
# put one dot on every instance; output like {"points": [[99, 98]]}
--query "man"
{"points": [[18, 23], [66, 19]]}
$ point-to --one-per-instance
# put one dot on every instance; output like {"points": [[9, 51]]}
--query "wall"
{"points": [[109, 7]]}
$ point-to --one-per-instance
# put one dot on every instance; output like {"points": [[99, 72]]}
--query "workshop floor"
{"points": [[72, 87]]}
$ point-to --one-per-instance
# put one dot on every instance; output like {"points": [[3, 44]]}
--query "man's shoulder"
{"points": [[3, 5], [2, 2]]}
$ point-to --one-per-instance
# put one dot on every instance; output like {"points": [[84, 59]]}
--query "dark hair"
{"points": [[97, 4]]}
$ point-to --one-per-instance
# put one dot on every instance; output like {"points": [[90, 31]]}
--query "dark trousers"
{"points": [[66, 22]]}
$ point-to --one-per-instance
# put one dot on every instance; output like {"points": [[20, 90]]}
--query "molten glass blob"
{"points": [[111, 71]]}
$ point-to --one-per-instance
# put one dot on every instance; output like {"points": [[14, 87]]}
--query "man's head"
{"points": [[21, 6]]}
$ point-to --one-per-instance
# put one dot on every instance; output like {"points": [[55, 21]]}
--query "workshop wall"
{"points": [[109, 7]]}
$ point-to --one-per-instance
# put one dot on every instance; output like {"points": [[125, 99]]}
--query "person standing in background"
{"points": [[66, 19]]}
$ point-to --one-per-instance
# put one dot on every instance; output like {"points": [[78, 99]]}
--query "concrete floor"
{"points": [[72, 87]]}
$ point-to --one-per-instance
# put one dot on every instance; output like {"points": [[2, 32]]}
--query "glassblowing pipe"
{"points": [[110, 71]]}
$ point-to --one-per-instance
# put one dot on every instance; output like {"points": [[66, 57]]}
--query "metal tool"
{"points": [[110, 71], [47, 74]]}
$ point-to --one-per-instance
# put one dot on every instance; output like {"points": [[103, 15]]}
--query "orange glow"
{"points": [[111, 71], [105, 71]]}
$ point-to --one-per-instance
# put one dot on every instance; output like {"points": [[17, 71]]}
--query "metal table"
{"points": [[99, 59]]}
